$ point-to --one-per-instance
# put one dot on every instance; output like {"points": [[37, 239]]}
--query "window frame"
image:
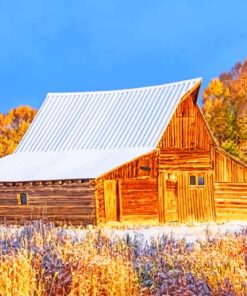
{"points": [[22, 199], [203, 180], [197, 176]]}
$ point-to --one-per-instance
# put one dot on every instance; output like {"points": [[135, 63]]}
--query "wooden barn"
{"points": [[143, 154]]}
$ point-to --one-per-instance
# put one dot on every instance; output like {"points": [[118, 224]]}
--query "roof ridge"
{"points": [[197, 79]]}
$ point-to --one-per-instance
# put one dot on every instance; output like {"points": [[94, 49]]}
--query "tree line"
{"points": [[225, 109], [13, 126]]}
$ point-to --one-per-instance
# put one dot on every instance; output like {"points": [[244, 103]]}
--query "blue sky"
{"points": [[79, 45]]}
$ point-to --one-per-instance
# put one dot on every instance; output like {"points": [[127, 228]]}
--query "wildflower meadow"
{"points": [[41, 259]]}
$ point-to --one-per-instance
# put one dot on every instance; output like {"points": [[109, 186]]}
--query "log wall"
{"points": [[63, 201], [185, 159], [142, 168], [230, 187], [231, 201]]}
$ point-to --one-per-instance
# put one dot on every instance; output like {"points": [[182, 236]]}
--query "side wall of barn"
{"points": [[60, 201], [230, 187], [157, 186], [134, 187], [186, 160], [187, 178]]}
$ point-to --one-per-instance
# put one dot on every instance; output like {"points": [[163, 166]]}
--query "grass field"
{"points": [[40, 259]]}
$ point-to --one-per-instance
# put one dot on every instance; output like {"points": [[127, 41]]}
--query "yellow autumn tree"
{"points": [[225, 108], [13, 126]]}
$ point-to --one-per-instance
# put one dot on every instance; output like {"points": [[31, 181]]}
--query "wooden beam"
{"points": [[120, 200]]}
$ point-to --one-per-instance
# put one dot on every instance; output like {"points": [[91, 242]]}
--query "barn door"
{"points": [[200, 205], [171, 204], [168, 197], [110, 196]]}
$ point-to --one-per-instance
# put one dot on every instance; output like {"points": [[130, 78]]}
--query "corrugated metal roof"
{"points": [[83, 135], [63, 165], [129, 118]]}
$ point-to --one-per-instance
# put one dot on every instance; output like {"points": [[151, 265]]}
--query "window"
{"points": [[200, 180], [197, 180], [22, 199], [192, 180]]}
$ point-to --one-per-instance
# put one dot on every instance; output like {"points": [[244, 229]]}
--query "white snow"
{"points": [[63, 165], [191, 233]]}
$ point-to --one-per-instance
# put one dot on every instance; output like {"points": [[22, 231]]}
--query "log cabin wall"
{"points": [[186, 150], [61, 201], [230, 187], [185, 160], [132, 176]]}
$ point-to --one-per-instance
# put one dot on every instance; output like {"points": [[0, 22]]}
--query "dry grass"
{"points": [[43, 260], [223, 262], [18, 277]]}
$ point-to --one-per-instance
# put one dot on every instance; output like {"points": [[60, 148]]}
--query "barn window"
{"points": [[192, 180], [22, 198], [200, 180], [197, 180]]}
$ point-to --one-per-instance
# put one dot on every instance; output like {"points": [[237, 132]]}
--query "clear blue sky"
{"points": [[79, 45]]}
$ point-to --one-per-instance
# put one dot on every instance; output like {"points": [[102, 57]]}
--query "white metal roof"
{"points": [[115, 119], [62, 165], [84, 134]]}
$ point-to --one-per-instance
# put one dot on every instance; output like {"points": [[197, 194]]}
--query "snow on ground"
{"points": [[191, 233]]}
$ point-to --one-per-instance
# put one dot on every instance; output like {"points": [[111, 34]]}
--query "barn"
{"points": [[136, 155]]}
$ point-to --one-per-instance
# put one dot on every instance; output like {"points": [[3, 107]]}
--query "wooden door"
{"points": [[110, 196], [171, 203], [200, 205], [138, 200]]}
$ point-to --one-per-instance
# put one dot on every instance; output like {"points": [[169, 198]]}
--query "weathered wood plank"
{"points": [[139, 197], [231, 200], [187, 129], [110, 198], [228, 170], [61, 201]]}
